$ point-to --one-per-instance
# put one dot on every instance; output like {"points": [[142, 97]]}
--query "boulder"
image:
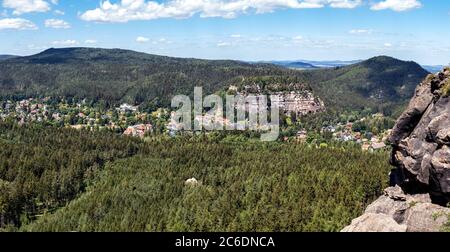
{"points": [[426, 217], [396, 211], [371, 222], [192, 182]]}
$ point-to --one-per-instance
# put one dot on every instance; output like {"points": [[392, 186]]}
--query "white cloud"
{"points": [[387, 45], [346, 4], [236, 36], [360, 31], [59, 12], [90, 42], [297, 37], [26, 6], [223, 44], [128, 10], [65, 43], [57, 24], [17, 24], [397, 5], [142, 39]]}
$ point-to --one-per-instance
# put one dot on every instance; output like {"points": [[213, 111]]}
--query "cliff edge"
{"points": [[420, 192]]}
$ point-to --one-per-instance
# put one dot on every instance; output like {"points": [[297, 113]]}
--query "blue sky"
{"points": [[234, 29]]}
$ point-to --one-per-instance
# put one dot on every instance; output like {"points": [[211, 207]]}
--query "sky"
{"points": [[249, 30]]}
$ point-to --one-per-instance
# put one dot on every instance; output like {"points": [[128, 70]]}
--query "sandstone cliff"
{"points": [[291, 98], [421, 155]]}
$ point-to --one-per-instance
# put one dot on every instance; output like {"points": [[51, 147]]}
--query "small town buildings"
{"points": [[124, 108], [138, 130], [301, 136]]}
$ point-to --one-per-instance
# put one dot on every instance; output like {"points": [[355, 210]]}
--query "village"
{"points": [[345, 133], [128, 120], [80, 115]]}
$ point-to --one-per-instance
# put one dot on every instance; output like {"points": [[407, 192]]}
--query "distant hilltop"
{"points": [[311, 64], [420, 192], [116, 76], [5, 57]]}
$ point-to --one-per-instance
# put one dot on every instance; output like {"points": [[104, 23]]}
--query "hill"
{"points": [[5, 57], [294, 64], [116, 76], [382, 83], [311, 64]]}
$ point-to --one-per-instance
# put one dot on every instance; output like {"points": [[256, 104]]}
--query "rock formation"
{"points": [[421, 140], [300, 103], [396, 211], [296, 99], [421, 154]]}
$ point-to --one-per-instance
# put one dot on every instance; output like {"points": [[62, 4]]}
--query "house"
{"points": [[138, 130], [301, 136], [78, 127], [127, 108], [349, 126], [328, 129], [365, 146]]}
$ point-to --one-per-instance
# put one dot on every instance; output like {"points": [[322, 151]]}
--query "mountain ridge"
{"points": [[7, 56], [117, 75], [381, 82]]}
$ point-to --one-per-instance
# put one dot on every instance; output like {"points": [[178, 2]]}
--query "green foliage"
{"points": [[45, 168], [381, 83], [114, 76], [244, 187], [446, 88], [268, 84]]}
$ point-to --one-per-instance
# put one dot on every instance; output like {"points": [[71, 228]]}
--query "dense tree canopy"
{"points": [[65, 180], [113, 76]]}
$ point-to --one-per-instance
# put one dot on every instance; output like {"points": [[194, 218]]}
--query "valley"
{"points": [[88, 143]]}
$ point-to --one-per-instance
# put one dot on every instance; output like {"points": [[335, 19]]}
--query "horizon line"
{"points": [[227, 59]]}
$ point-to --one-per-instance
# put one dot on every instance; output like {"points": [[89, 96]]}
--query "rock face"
{"points": [[291, 97], [421, 140], [396, 211], [300, 103], [420, 190]]}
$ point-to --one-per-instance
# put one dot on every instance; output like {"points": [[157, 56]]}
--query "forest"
{"points": [[113, 76], [59, 179], [55, 178]]}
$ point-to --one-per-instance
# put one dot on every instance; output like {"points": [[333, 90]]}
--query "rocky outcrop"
{"points": [[299, 102], [421, 154], [371, 222], [421, 140], [396, 211]]}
